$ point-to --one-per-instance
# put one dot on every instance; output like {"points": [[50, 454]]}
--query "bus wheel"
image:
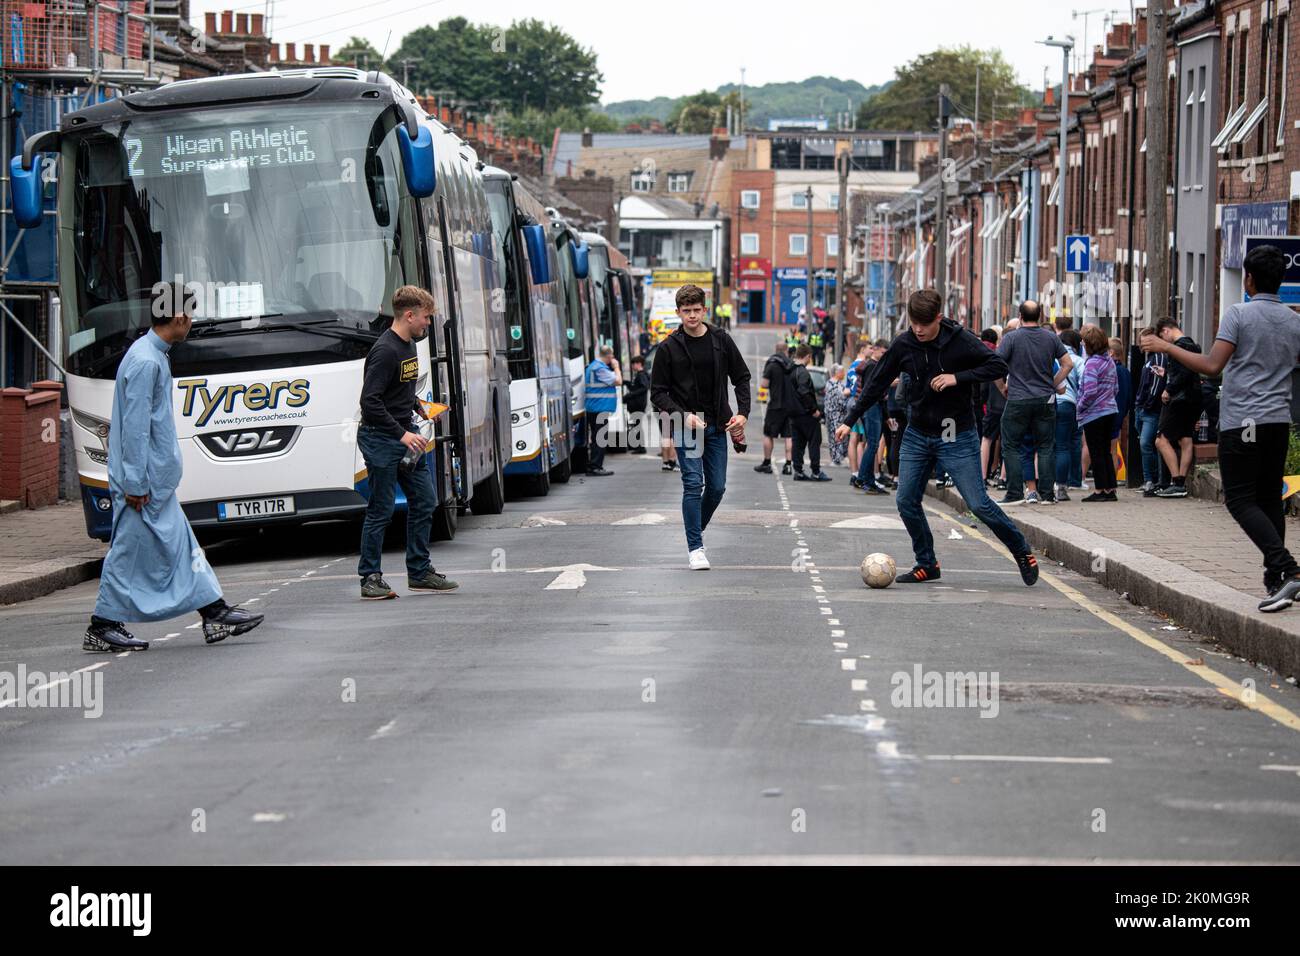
{"points": [[562, 472], [489, 494], [539, 485], [444, 522]]}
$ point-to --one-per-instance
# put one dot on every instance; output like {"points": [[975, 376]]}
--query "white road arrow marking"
{"points": [[647, 518], [877, 522], [570, 577]]}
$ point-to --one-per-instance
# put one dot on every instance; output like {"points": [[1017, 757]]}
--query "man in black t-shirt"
{"points": [[388, 402]]}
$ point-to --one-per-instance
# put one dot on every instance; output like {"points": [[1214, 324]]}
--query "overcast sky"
{"points": [[674, 47]]}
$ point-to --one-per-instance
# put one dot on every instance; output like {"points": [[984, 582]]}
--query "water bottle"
{"points": [[411, 460], [1203, 428]]}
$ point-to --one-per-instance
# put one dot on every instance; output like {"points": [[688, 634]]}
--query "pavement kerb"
{"points": [[1189, 599], [45, 580]]}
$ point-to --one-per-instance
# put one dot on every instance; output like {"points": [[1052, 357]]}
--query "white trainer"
{"points": [[699, 560]]}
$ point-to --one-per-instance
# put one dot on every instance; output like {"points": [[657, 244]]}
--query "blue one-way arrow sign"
{"points": [[1078, 253]]}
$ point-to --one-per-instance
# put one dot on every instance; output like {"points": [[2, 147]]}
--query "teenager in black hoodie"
{"points": [[945, 362]]}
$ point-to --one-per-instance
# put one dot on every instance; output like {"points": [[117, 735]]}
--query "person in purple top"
{"points": [[1098, 410]]}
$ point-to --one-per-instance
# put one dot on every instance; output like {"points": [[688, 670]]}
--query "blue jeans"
{"points": [[960, 458], [703, 464], [1147, 423], [872, 423], [383, 453], [1069, 445]]}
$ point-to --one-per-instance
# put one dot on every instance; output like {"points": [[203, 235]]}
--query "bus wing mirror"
{"points": [[25, 184], [538, 263], [25, 194], [418, 161], [580, 267]]}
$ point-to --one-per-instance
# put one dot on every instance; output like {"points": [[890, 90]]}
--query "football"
{"points": [[878, 570]]}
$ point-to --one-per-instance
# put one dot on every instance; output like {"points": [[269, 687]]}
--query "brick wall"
{"points": [[29, 444]]}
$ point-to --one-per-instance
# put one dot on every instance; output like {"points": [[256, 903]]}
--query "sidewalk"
{"points": [[44, 550], [1185, 558]]}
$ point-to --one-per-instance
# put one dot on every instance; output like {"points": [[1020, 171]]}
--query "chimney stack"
{"points": [[325, 53], [210, 22], [308, 53], [273, 53], [227, 21], [258, 25], [241, 24], [291, 52]]}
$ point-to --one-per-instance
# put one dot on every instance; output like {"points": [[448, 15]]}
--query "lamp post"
{"points": [[808, 300], [1065, 45]]}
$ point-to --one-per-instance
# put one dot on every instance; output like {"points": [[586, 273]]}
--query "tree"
{"points": [[359, 53], [695, 113], [456, 56], [526, 65], [542, 66], [911, 101], [540, 125]]}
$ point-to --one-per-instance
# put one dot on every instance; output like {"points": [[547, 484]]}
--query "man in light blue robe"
{"points": [[155, 568]]}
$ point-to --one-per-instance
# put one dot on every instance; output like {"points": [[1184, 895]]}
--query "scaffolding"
{"points": [[58, 56]]}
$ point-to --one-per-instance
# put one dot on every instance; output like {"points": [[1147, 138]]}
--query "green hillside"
{"points": [[816, 96]]}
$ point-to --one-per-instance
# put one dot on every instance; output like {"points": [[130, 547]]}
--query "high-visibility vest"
{"points": [[600, 397], [815, 340]]}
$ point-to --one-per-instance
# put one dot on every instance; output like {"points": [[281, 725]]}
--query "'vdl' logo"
{"points": [[257, 396]]}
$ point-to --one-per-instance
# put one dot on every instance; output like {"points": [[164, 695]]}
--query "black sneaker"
{"points": [[1028, 567], [431, 581], [598, 473], [1101, 496], [764, 469], [799, 476], [918, 575], [854, 482], [1282, 598], [785, 469], [872, 489], [228, 622], [375, 588], [1008, 500], [820, 476], [110, 636], [668, 466], [1172, 491]]}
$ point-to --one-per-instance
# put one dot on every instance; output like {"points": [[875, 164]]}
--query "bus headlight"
{"points": [[97, 426]]}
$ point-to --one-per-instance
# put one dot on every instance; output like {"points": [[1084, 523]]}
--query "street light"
{"points": [[1066, 46], [919, 193], [808, 302]]}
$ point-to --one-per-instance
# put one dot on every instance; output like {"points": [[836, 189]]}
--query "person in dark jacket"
{"points": [[1182, 401], [780, 406], [945, 362], [635, 396], [689, 383], [807, 424]]}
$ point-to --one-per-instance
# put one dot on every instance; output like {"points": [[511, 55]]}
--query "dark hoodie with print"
{"points": [[953, 351]]}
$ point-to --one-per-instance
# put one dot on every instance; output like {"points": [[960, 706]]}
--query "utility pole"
{"points": [[1157, 266], [740, 123], [842, 165], [1066, 45], [808, 295], [941, 215], [406, 71]]}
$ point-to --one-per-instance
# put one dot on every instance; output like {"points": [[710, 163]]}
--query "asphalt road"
{"points": [[639, 711]]}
